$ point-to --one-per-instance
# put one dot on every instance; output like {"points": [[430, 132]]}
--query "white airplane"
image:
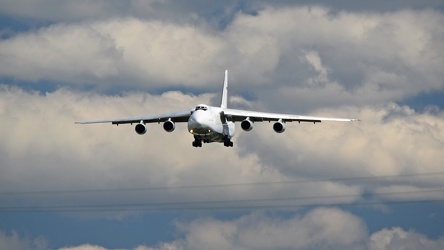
{"points": [[215, 124]]}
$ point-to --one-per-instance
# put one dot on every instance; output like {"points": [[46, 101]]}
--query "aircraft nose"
{"points": [[197, 118], [197, 122]]}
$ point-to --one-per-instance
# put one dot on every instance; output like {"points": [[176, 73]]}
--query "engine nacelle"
{"points": [[169, 126], [279, 126], [140, 129], [247, 125]]}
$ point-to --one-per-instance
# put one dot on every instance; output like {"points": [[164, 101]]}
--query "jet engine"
{"points": [[169, 126], [140, 128], [279, 126], [247, 125]]}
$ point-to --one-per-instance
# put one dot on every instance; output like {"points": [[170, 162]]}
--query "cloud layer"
{"points": [[44, 150], [309, 60], [320, 228], [383, 57]]}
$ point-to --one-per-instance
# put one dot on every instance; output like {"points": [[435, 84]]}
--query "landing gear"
{"points": [[197, 143], [228, 143]]}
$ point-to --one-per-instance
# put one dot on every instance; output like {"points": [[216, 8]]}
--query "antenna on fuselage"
{"points": [[224, 100]]}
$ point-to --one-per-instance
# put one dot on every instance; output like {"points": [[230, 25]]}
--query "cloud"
{"points": [[49, 10], [44, 150], [398, 238], [361, 57], [393, 140], [84, 247], [319, 228], [126, 51], [383, 57], [338, 63], [13, 241]]}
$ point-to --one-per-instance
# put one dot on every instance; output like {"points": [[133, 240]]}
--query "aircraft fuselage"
{"points": [[208, 124]]}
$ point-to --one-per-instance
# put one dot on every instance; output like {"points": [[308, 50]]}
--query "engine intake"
{"points": [[140, 129], [247, 125], [279, 126], [169, 126]]}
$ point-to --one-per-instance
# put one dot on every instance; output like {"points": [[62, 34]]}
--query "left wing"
{"points": [[180, 116], [254, 116]]}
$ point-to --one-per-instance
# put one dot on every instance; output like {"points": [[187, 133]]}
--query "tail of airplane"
{"points": [[223, 102]]}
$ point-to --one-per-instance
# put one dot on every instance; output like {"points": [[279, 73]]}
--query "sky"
{"points": [[374, 184]]}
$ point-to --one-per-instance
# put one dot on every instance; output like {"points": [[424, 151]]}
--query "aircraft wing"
{"points": [[254, 116], [180, 116]]}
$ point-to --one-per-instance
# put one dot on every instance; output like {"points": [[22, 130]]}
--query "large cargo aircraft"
{"points": [[214, 124]]}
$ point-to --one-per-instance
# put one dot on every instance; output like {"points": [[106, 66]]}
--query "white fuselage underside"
{"points": [[206, 124]]}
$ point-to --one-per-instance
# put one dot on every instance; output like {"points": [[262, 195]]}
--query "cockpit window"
{"points": [[204, 108]]}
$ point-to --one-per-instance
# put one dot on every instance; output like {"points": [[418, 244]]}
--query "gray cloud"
{"points": [[43, 150], [331, 60], [319, 228], [182, 11], [84, 247], [13, 241], [310, 59], [397, 238]]}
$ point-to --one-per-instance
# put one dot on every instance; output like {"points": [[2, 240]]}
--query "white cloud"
{"points": [[393, 140], [355, 63], [360, 58], [44, 150], [319, 228], [398, 238], [83, 247]]}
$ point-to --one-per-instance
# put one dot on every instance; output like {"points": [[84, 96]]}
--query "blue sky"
{"points": [[376, 184]]}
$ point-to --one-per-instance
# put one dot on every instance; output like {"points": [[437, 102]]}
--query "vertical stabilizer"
{"points": [[223, 102]]}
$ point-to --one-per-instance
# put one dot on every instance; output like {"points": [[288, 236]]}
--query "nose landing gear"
{"points": [[197, 143]]}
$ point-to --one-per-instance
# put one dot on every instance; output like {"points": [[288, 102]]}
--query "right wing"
{"points": [[254, 116], [180, 116]]}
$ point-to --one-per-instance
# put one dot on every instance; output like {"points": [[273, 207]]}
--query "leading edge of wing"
{"points": [[255, 116], [179, 116]]}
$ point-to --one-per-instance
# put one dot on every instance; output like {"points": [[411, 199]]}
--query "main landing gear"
{"points": [[197, 143], [228, 143]]}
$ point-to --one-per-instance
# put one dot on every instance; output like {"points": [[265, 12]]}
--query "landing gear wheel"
{"points": [[228, 143], [197, 143]]}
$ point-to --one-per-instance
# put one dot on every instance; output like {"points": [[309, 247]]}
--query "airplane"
{"points": [[215, 124]]}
